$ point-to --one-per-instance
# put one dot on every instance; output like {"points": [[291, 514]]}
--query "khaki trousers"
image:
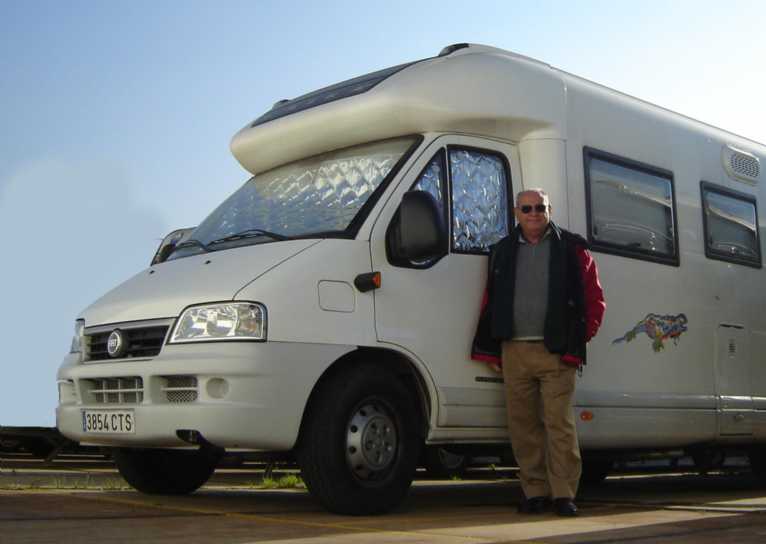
{"points": [[541, 423]]}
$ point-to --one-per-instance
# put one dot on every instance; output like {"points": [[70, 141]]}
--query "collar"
{"points": [[546, 234]]}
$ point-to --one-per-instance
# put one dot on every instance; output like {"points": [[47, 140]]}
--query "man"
{"points": [[543, 304]]}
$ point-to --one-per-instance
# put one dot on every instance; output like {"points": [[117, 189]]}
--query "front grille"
{"points": [[141, 342], [180, 389], [114, 390]]}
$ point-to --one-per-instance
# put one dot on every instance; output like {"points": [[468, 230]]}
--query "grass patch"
{"points": [[65, 482], [290, 481]]}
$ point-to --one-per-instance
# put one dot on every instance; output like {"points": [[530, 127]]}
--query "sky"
{"points": [[116, 117]]}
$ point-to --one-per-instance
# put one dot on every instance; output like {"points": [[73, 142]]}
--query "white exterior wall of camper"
{"points": [[677, 362], [699, 389]]}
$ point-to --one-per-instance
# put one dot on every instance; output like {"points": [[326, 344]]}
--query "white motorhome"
{"points": [[327, 307]]}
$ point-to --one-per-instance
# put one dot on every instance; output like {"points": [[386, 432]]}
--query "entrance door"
{"points": [[735, 402], [431, 308]]}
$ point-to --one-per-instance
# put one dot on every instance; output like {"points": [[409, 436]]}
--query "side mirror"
{"points": [[169, 243], [422, 229]]}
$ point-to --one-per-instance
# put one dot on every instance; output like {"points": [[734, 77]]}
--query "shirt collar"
{"points": [[546, 234]]}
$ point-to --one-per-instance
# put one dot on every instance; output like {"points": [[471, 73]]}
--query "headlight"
{"points": [[226, 321], [79, 326]]}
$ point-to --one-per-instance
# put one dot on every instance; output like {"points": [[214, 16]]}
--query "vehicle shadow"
{"points": [[691, 508]]}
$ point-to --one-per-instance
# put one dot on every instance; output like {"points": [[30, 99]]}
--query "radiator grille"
{"points": [[179, 389], [141, 342], [114, 390]]}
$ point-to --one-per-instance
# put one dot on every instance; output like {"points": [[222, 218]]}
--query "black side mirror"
{"points": [[422, 229], [169, 243]]}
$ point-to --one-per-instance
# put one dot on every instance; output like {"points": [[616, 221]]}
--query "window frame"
{"points": [[673, 259], [710, 253], [511, 219]]}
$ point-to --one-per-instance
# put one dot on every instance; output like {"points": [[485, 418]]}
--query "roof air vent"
{"points": [[280, 103], [741, 165], [452, 48]]}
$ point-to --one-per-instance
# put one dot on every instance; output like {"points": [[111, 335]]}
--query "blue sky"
{"points": [[115, 117]]}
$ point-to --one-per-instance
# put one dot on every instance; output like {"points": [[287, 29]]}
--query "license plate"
{"points": [[109, 421]]}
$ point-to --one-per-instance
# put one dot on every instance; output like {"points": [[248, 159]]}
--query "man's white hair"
{"points": [[535, 190]]}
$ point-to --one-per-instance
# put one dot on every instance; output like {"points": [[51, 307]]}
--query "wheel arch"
{"points": [[404, 368]]}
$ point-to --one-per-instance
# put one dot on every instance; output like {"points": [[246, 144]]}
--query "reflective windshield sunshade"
{"points": [[320, 194]]}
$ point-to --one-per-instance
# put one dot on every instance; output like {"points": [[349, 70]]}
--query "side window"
{"points": [[631, 208], [433, 180], [731, 226], [479, 181]]}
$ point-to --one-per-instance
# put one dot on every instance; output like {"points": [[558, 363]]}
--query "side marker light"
{"points": [[367, 282]]}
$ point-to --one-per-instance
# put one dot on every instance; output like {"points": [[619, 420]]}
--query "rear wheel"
{"points": [[595, 470], [166, 472], [757, 456], [360, 442], [707, 459]]}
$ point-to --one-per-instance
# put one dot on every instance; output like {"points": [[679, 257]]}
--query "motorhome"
{"points": [[327, 307]]}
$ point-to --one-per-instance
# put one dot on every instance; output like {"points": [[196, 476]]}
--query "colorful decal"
{"points": [[658, 328]]}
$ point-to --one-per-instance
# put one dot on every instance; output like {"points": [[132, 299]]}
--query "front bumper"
{"points": [[266, 389]]}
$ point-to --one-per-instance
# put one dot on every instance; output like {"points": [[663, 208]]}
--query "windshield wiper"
{"points": [[188, 243], [249, 233]]}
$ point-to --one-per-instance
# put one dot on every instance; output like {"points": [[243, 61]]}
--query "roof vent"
{"points": [[741, 165], [452, 48], [280, 103]]}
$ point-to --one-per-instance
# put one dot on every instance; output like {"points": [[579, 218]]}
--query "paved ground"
{"points": [[675, 508]]}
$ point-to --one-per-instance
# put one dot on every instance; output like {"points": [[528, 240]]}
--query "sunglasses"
{"points": [[539, 208]]}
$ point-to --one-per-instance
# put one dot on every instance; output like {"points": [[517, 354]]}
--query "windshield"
{"points": [[317, 196]]}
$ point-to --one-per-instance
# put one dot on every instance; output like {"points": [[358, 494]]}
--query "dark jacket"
{"points": [[575, 299]]}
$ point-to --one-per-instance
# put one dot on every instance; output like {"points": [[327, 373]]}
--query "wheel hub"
{"points": [[371, 441]]}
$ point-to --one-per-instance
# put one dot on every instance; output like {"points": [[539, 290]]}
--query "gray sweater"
{"points": [[531, 289]]}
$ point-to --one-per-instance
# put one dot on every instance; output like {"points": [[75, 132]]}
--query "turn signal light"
{"points": [[367, 282], [586, 415]]}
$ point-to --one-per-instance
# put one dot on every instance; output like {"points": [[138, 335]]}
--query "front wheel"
{"points": [[360, 442], [166, 472]]}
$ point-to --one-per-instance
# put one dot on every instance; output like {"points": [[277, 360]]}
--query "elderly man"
{"points": [[543, 304]]}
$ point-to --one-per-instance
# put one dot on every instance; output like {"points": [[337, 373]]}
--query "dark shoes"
{"points": [[537, 505], [533, 505], [564, 507]]}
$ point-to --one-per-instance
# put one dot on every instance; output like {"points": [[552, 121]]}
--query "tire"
{"points": [[166, 472], [39, 448], [595, 470], [363, 405], [707, 459], [441, 463], [757, 457]]}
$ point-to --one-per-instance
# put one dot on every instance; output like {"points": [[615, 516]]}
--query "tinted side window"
{"points": [[631, 208], [479, 199], [731, 226]]}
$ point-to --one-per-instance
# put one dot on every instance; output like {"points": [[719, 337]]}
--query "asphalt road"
{"points": [[668, 508]]}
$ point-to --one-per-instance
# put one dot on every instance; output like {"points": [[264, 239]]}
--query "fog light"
{"points": [[217, 388], [67, 393]]}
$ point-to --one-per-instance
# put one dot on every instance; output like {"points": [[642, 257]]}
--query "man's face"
{"points": [[535, 221]]}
